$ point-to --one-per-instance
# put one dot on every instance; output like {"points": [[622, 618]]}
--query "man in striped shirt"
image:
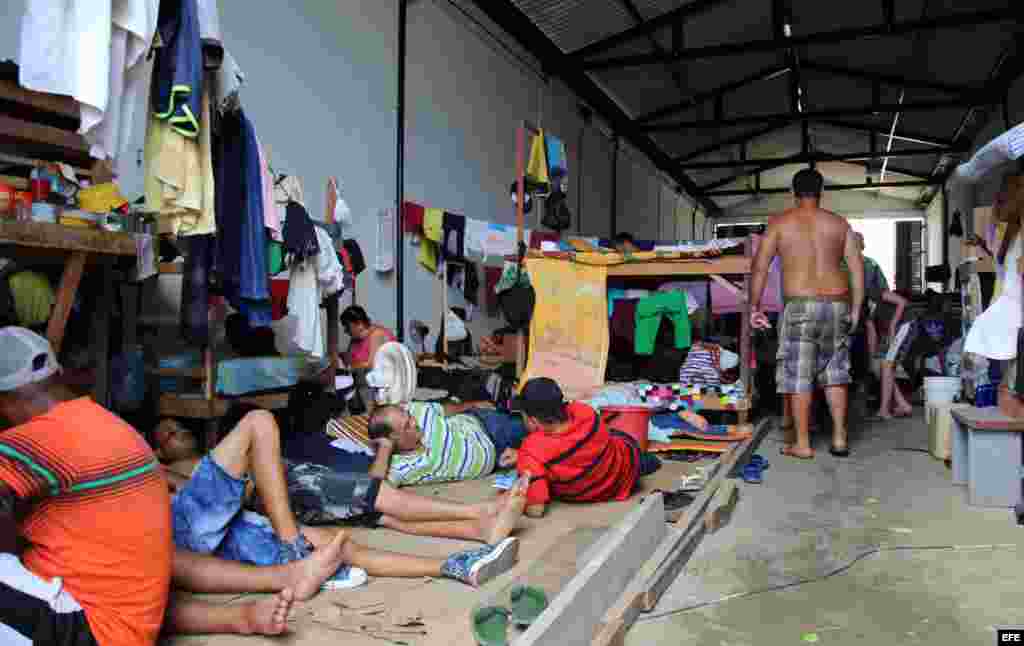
{"points": [[442, 443]]}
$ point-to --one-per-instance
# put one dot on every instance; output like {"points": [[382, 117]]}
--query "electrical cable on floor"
{"points": [[838, 570]]}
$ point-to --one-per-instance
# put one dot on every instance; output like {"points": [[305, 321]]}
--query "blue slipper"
{"points": [[752, 473], [759, 460]]}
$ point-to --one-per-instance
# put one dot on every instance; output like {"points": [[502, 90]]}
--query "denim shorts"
{"points": [[506, 430], [208, 518]]}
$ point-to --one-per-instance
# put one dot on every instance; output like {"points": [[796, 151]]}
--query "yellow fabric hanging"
{"points": [[537, 168], [428, 255], [433, 224]]}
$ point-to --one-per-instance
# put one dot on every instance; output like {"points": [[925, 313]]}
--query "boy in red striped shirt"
{"points": [[570, 454]]}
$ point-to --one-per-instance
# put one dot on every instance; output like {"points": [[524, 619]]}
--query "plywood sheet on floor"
{"points": [[548, 552]]}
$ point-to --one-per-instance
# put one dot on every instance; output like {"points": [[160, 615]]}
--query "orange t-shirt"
{"points": [[100, 516]]}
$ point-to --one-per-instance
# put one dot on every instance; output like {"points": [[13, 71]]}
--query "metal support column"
{"points": [[403, 24]]}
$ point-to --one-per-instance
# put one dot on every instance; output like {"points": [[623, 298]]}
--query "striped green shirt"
{"points": [[455, 448]]}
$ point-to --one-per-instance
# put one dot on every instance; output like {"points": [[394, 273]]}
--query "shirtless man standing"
{"points": [[820, 313]]}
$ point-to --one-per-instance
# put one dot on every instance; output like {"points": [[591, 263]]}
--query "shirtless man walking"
{"points": [[820, 312]]}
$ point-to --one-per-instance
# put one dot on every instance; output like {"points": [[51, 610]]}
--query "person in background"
{"points": [[444, 443], [900, 336], [570, 454], [823, 307], [624, 243], [367, 337]]}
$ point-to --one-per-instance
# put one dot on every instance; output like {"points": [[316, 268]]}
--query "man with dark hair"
{"points": [[624, 243], [570, 454], [820, 311]]}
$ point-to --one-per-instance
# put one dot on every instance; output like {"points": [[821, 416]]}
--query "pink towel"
{"points": [[724, 301]]}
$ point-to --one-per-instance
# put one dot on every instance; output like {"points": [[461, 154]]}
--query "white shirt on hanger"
{"points": [[994, 333]]}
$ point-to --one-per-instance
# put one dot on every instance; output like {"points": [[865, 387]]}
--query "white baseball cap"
{"points": [[25, 358]]}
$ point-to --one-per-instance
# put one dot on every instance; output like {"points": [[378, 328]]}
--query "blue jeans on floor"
{"points": [[506, 431]]}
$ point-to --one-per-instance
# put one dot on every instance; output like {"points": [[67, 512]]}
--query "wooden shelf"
{"points": [[195, 406], [41, 235], [724, 265]]}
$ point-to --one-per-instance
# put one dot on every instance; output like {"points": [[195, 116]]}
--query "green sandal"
{"points": [[490, 626], [528, 603]]}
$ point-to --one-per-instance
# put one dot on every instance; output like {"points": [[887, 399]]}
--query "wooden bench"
{"points": [[987, 456]]}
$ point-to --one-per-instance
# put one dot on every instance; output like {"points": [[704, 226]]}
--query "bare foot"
{"points": [[319, 536], [498, 526], [795, 452], [903, 412], [310, 573], [269, 616]]}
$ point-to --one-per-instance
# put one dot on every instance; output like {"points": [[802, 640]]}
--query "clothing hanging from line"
{"points": [[178, 67], [649, 313], [355, 254], [271, 212], [313, 279], [412, 218], [200, 253], [1003, 149], [994, 333], [300, 240], [179, 182], [476, 237], [110, 83], [453, 244], [702, 365], [242, 238]]}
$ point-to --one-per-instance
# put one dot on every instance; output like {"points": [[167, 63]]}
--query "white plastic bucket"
{"points": [[941, 390]]}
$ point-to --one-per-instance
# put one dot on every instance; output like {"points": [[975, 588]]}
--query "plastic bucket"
{"points": [[631, 420], [941, 390]]}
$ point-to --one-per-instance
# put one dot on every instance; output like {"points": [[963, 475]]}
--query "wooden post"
{"points": [[101, 336], [745, 340], [520, 197], [333, 339], [444, 310], [69, 282]]}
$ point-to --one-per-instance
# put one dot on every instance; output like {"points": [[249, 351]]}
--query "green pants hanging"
{"points": [[649, 312]]}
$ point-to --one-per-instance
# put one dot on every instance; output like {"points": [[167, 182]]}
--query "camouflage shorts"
{"points": [[814, 345], [322, 496]]}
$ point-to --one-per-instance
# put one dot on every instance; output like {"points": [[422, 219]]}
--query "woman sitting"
{"points": [[366, 338]]}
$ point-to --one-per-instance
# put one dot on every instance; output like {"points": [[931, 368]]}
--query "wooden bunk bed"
{"points": [[208, 404]]}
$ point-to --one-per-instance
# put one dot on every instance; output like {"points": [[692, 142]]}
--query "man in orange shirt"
{"points": [[85, 491]]}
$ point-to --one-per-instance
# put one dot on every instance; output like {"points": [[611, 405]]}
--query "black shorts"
{"points": [[33, 611], [322, 496]]}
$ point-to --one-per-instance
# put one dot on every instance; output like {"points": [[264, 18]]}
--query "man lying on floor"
{"points": [[570, 454], [420, 443], [209, 516]]}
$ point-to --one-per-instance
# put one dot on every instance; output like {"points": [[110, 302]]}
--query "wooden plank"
{"points": [[101, 334], [54, 103], [188, 373], [193, 406], [573, 616], [69, 281], [621, 617], [172, 268], [45, 142], [728, 265], [54, 236]]}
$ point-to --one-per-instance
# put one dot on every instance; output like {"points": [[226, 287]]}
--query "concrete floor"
{"points": [[810, 518]]}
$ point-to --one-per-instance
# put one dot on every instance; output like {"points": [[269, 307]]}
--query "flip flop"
{"points": [[528, 603], [490, 626], [752, 473], [839, 453]]}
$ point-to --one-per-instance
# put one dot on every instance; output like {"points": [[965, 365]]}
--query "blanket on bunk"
{"points": [[569, 331]]}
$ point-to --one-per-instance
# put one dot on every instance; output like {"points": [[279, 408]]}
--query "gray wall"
{"points": [[321, 92]]}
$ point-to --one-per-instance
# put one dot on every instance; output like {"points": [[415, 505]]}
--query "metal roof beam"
{"points": [[957, 20], [812, 157], [517, 24], [690, 10], [731, 141], [895, 170], [891, 79], [858, 111], [693, 101], [909, 137], [827, 187]]}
